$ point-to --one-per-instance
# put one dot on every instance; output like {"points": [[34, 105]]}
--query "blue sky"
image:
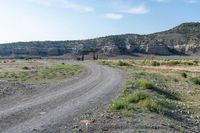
{"points": [[32, 20]]}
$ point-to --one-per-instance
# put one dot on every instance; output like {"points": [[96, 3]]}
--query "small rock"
{"points": [[86, 122], [35, 130], [104, 128], [75, 126], [80, 130], [101, 115], [42, 113]]}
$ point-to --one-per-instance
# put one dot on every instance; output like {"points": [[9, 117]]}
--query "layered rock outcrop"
{"points": [[183, 39]]}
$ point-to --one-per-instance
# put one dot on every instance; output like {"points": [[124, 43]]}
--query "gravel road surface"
{"points": [[61, 103]]}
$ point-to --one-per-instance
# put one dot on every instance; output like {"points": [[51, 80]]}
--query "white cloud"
{"points": [[141, 9], [114, 16], [41, 2], [78, 7], [192, 1], [63, 3]]}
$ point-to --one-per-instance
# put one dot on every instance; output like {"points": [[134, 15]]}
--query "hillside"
{"points": [[181, 40]]}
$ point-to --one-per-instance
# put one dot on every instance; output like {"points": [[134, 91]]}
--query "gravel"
{"points": [[53, 108]]}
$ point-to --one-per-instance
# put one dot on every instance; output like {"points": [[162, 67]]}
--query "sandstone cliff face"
{"points": [[183, 39], [158, 49]]}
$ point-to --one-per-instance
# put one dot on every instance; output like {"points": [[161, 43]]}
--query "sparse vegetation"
{"points": [[25, 68], [119, 104], [165, 92], [170, 62], [144, 84], [151, 62], [136, 97], [40, 75], [195, 80], [123, 63], [184, 75], [150, 104]]}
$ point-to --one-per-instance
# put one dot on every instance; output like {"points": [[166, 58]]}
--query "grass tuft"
{"points": [[195, 80], [25, 68], [144, 84], [184, 75], [119, 104], [136, 97], [151, 105], [123, 63]]}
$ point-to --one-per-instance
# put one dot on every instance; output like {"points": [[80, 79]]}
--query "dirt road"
{"points": [[54, 106]]}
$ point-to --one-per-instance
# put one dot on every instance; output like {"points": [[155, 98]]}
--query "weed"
{"points": [[171, 62], [166, 94], [123, 63], [151, 105], [144, 84], [119, 104], [25, 68], [136, 97], [184, 75], [131, 62], [167, 105], [76, 130], [151, 62], [195, 80], [126, 113], [196, 62], [154, 63]]}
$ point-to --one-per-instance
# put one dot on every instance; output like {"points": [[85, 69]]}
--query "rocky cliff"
{"points": [[181, 40]]}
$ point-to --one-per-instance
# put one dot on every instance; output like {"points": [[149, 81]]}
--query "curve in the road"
{"points": [[63, 102]]}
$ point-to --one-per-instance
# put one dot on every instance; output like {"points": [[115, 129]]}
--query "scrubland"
{"points": [[25, 75], [159, 95]]}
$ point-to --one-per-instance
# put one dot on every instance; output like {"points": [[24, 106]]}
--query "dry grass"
{"points": [[36, 71], [173, 87]]}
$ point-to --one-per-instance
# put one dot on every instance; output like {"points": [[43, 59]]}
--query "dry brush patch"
{"points": [[36, 71], [172, 94]]}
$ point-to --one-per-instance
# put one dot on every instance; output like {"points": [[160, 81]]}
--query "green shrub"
{"points": [[184, 75], [172, 62], [119, 104], [123, 63], [195, 80], [107, 62], [25, 68], [196, 62], [144, 84], [136, 97], [150, 104], [131, 62], [154, 63], [151, 62], [190, 63], [167, 105]]}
